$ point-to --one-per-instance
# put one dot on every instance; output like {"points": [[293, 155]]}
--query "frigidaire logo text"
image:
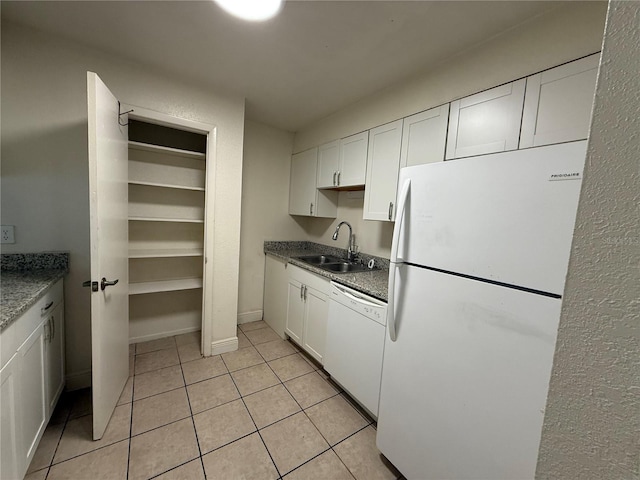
{"points": [[565, 176]]}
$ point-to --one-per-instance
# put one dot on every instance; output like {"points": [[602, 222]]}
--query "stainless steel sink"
{"points": [[333, 264], [319, 259], [344, 267]]}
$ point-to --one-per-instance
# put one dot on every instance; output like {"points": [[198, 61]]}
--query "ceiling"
{"points": [[313, 59]]}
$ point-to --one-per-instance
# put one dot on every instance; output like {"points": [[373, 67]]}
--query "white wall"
{"points": [[592, 420], [45, 173], [265, 203], [564, 34]]}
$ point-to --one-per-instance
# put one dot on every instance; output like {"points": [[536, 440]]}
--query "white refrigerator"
{"points": [[478, 264]]}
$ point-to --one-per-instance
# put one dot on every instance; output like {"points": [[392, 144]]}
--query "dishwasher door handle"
{"points": [[356, 298]]}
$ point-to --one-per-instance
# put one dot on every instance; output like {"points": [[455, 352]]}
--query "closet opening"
{"points": [[167, 230]]}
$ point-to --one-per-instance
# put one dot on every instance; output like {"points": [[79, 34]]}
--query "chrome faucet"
{"points": [[351, 250]]}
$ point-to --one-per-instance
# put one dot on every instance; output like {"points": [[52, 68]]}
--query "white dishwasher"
{"points": [[355, 344]]}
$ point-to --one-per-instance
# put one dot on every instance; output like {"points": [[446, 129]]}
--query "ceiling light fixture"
{"points": [[252, 10]]}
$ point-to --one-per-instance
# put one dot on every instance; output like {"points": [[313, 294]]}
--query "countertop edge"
{"points": [[7, 318], [360, 281]]}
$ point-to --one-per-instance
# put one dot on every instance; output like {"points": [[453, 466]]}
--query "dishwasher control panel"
{"points": [[361, 303]]}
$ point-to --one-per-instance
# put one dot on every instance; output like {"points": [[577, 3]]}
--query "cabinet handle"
{"points": [[338, 178], [305, 293], [311, 209], [301, 292], [47, 307], [334, 178], [390, 210]]}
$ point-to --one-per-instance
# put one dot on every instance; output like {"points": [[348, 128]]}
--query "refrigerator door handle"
{"points": [[397, 228], [391, 317], [402, 201]]}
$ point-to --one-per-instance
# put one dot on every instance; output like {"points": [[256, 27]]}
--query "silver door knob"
{"points": [[106, 283]]}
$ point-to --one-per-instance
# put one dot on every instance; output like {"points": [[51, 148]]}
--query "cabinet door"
{"points": [[557, 103], [11, 453], [295, 311], [487, 122], [32, 393], [276, 284], [328, 160], [353, 160], [383, 163], [424, 136], [315, 323], [55, 357], [302, 187]]}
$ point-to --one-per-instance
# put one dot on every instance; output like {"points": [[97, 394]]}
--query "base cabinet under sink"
{"points": [[307, 311]]}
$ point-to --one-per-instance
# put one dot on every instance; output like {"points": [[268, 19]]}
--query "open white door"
{"points": [[108, 192]]}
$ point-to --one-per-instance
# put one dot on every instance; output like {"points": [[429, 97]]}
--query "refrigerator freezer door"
{"points": [[507, 217], [464, 387]]}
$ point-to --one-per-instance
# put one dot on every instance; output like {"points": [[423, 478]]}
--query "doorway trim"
{"points": [[166, 120]]}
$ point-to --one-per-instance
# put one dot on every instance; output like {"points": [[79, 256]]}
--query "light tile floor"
{"points": [[265, 411]]}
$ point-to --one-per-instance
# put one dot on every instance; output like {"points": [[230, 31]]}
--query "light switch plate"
{"points": [[7, 234]]}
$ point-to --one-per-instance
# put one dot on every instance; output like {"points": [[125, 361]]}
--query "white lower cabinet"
{"points": [[55, 356], [31, 380], [276, 281], [10, 432], [307, 311]]}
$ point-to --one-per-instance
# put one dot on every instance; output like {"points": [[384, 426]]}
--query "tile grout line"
{"points": [[301, 411], [133, 392], [254, 422], [193, 422], [314, 425], [64, 427]]}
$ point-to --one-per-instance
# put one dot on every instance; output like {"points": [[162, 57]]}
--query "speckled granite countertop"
{"points": [[374, 282], [25, 278]]}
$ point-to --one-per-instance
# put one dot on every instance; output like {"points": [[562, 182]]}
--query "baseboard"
{"points": [[249, 317], [78, 381], [156, 336], [224, 346]]}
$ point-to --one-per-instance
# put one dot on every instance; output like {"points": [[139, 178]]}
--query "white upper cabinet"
{"points": [[304, 198], [557, 106], [487, 122], [328, 164], [302, 190], [424, 136], [383, 164], [353, 160]]}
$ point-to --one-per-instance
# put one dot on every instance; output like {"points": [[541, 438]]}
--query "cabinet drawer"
{"points": [[37, 313], [310, 279]]}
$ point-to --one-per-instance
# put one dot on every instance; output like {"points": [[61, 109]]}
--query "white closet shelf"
{"points": [[164, 252], [160, 219], [165, 286], [174, 151], [165, 185]]}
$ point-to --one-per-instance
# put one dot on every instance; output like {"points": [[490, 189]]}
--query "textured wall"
{"points": [[592, 422]]}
